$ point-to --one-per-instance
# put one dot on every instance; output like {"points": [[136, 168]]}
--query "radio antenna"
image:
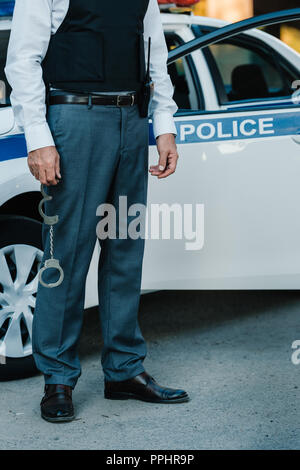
{"points": [[149, 52]]}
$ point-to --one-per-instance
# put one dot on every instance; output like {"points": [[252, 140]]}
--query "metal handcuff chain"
{"points": [[51, 262]]}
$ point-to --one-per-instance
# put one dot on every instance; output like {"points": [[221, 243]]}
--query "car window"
{"points": [[187, 91], [5, 89], [245, 72]]}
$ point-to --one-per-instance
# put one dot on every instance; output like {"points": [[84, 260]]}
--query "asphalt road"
{"points": [[230, 350]]}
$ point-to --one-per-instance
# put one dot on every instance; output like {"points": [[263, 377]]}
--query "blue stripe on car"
{"points": [[250, 126], [12, 146], [197, 130], [152, 140], [7, 8]]}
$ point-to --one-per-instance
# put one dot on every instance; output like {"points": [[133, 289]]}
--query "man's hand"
{"points": [[168, 156], [44, 165]]}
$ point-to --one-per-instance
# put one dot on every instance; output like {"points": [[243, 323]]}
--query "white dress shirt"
{"points": [[34, 22]]}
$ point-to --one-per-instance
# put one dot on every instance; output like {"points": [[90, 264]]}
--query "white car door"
{"points": [[242, 162]]}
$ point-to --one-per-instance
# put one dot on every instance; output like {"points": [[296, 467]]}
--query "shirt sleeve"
{"points": [[28, 44], [162, 107]]}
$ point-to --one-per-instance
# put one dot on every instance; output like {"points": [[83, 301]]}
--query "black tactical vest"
{"points": [[98, 47]]}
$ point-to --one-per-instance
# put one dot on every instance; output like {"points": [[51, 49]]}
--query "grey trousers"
{"points": [[104, 155]]}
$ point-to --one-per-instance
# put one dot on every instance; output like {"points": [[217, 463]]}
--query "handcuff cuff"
{"points": [[51, 262]]}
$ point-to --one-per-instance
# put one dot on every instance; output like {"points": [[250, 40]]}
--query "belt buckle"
{"points": [[119, 100]]}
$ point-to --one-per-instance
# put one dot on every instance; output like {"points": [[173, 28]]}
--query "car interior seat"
{"points": [[248, 82]]}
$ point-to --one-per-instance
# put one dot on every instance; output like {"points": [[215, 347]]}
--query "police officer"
{"points": [[77, 70]]}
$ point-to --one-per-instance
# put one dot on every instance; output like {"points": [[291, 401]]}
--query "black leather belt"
{"points": [[115, 100]]}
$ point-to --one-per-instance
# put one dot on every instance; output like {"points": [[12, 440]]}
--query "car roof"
{"points": [[175, 18]]}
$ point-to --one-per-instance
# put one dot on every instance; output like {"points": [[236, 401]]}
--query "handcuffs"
{"points": [[51, 262]]}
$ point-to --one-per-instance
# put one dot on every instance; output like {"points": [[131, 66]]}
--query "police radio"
{"points": [[147, 89]]}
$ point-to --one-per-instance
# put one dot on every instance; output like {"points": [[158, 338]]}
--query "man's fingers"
{"points": [[57, 167], [44, 165], [50, 175], [168, 156], [162, 164], [42, 177], [169, 170], [154, 170], [34, 170], [165, 174], [170, 167], [31, 167], [163, 158]]}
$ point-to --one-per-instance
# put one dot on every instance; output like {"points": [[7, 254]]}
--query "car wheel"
{"points": [[20, 258]]}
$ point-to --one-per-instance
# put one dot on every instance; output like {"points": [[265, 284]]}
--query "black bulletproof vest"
{"points": [[98, 47]]}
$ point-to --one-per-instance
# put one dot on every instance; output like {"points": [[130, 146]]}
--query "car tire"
{"points": [[20, 247]]}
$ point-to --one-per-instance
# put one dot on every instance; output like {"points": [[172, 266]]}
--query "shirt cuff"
{"points": [[163, 123], [38, 136]]}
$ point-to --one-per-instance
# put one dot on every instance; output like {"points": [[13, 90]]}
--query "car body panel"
{"points": [[251, 231]]}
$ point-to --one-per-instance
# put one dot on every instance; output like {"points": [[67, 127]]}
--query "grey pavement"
{"points": [[230, 350]]}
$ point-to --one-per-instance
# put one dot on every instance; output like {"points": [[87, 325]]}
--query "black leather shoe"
{"points": [[143, 387], [56, 405]]}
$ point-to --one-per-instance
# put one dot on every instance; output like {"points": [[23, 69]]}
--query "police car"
{"points": [[239, 144]]}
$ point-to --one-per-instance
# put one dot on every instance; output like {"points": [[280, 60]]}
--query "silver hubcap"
{"points": [[19, 265]]}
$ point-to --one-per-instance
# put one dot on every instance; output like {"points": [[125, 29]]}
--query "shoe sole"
{"points": [[128, 396], [58, 420]]}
